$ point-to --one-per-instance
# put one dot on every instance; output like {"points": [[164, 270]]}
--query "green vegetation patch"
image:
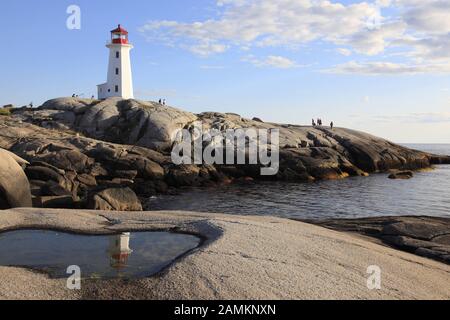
{"points": [[5, 112]]}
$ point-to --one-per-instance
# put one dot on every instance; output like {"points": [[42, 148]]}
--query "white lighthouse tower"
{"points": [[120, 81], [119, 250]]}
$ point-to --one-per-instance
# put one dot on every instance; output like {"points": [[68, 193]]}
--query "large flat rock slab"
{"points": [[242, 258]]}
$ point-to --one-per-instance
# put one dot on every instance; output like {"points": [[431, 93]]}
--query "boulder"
{"points": [[87, 180], [47, 165], [115, 182], [48, 173], [127, 174], [424, 236], [98, 170], [16, 158], [67, 118], [304, 144], [100, 117], [103, 151], [151, 124], [55, 202], [149, 188], [36, 187], [52, 188], [66, 104], [43, 173], [403, 175], [115, 199], [142, 123], [425, 230], [148, 168], [14, 185], [183, 175], [68, 160]]}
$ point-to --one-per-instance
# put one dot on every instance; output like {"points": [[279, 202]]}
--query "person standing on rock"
{"points": [[313, 123], [160, 101], [331, 125]]}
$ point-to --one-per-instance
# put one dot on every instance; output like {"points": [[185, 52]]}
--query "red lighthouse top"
{"points": [[119, 35]]}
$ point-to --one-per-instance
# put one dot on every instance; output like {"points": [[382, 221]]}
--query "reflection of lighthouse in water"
{"points": [[119, 250]]}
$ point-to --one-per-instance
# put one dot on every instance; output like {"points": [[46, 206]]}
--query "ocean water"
{"points": [[428, 193]]}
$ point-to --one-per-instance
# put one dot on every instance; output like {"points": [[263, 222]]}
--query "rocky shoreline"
{"points": [[106, 155], [249, 257], [422, 235]]}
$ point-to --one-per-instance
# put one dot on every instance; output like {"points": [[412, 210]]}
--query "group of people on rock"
{"points": [[319, 123], [162, 102], [77, 96]]}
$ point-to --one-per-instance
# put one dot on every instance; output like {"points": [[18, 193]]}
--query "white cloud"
{"points": [[433, 48], [421, 118], [374, 42], [344, 51], [426, 117], [254, 23], [378, 28], [272, 61], [205, 49], [429, 16], [383, 68], [383, 3]]}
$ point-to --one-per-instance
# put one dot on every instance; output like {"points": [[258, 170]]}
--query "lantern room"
{"points": [[119, 35]]}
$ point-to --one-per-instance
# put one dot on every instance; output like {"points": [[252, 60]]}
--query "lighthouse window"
{"points": [[117, 70], [117, 54], [117, 88]]}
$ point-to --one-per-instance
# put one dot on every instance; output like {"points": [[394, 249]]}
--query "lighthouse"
{"points": [[120, 81], [119, 250]]}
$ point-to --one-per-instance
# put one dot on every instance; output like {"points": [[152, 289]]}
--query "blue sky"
{"points": [[378, 66]]}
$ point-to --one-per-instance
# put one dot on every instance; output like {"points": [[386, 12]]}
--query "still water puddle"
{"points": [[126, 255]]}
